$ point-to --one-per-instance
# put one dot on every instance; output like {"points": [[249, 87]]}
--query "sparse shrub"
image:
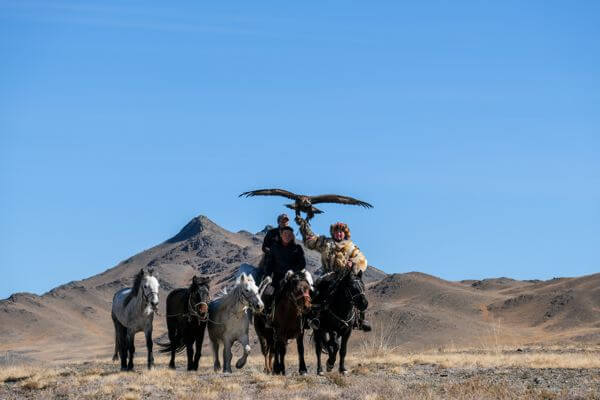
{"points": [[382, 339]]}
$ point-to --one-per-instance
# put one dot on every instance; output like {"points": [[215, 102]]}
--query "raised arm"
{"points": [[310, 240]]}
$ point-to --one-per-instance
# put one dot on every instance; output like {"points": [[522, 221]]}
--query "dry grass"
{"points": [[493, 360], [430, 375]]}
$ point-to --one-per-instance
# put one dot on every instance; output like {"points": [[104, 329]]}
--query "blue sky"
{"points": [[473, 127]]}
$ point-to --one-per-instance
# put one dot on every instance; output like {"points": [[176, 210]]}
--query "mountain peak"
{"points": [[194, 227]]}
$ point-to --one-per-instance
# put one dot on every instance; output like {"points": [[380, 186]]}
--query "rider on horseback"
{"points": [[338, 254], [284, 255]]}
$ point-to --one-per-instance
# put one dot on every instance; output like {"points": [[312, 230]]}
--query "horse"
{"points": [[228, 320], [133, 311], [339, 298], [292, 303], [187, 315]]}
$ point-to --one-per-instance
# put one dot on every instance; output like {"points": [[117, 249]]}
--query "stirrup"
{"points": [[364, 326]]}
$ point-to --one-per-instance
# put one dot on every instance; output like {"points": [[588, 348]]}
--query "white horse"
{"points": [[133, 311], [229, 320]]}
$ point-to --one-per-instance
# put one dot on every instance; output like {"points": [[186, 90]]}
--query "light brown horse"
{"points": [[291, 306]]}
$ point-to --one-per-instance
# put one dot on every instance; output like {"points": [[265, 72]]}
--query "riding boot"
{"points": [[269, 313], [362, 323]]}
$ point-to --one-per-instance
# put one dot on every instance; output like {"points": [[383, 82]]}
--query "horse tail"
{"points": [[168, 347], [176, 344]]}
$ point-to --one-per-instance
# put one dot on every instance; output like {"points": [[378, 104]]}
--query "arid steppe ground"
{"points": [[531, 373]]}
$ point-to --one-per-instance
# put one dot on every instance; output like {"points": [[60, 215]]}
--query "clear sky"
{"points": [[472, 127]]}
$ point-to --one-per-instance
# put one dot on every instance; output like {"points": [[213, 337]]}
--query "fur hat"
{"points": [[340, 226]]}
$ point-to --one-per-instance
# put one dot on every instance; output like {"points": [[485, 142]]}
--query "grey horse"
{"points": [[229, 320], [133, 311]]}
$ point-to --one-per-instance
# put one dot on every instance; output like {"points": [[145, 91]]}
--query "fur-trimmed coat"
{"points": [[334, 255]]}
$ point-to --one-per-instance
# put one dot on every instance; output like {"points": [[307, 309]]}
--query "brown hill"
{"points": [[417, 310]]}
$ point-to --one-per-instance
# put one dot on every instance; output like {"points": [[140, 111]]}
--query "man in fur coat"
{"points": [[338, 254]]}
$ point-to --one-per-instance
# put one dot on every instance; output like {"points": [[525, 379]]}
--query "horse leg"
{"points": [[300, 345], [215, 350], [343, 348], [227, 356], [118, 329], [123, 343], [279, 368], [318, 350], [282, 350], [271, 356], [189, 347], [149, 344], [245, 342], [332, 349], [172, 327], [131, 348], [116, 323], [265, 352], [199, 341], [275, 350]]}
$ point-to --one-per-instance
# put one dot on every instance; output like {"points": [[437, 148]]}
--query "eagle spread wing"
{"points": [[334, 198], [270, 192]]}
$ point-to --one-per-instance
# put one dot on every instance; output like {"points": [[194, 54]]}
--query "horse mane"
{"points": [[135, 289]]}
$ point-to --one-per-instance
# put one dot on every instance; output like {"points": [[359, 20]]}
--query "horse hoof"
{"points": [[240, 363], [303, 372], [172, 366], [115, 358], [344, 372], [329, 367], [320, 373]]}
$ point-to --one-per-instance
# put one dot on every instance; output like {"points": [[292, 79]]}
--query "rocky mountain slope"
{"points": [[415, 310]]}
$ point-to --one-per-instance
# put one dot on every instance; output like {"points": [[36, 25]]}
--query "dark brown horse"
{"points": [[187, 315], [292, 303]]}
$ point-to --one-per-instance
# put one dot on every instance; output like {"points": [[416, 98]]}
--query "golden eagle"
{"points": [[305, 203]]}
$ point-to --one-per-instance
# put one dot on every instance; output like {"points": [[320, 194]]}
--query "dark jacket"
{"points": [[284, 258], [273, 236]]}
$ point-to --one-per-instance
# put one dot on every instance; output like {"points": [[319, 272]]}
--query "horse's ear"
{"points": [[195, 280], [359, 275], [203, 280], [243, 278], [150, 271]]}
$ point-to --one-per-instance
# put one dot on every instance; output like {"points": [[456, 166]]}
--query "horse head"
{"points": [[299, 286], [150, 288], [250, 292], [355, 290], [352, 290], [199, 297]]}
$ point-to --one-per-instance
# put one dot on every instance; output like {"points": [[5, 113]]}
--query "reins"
{"points": [[325, 304]]}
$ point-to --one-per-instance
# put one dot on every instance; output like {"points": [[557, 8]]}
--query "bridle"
{"points": [[193, 307], [246, 299], [147, 298], [304, 295]]}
